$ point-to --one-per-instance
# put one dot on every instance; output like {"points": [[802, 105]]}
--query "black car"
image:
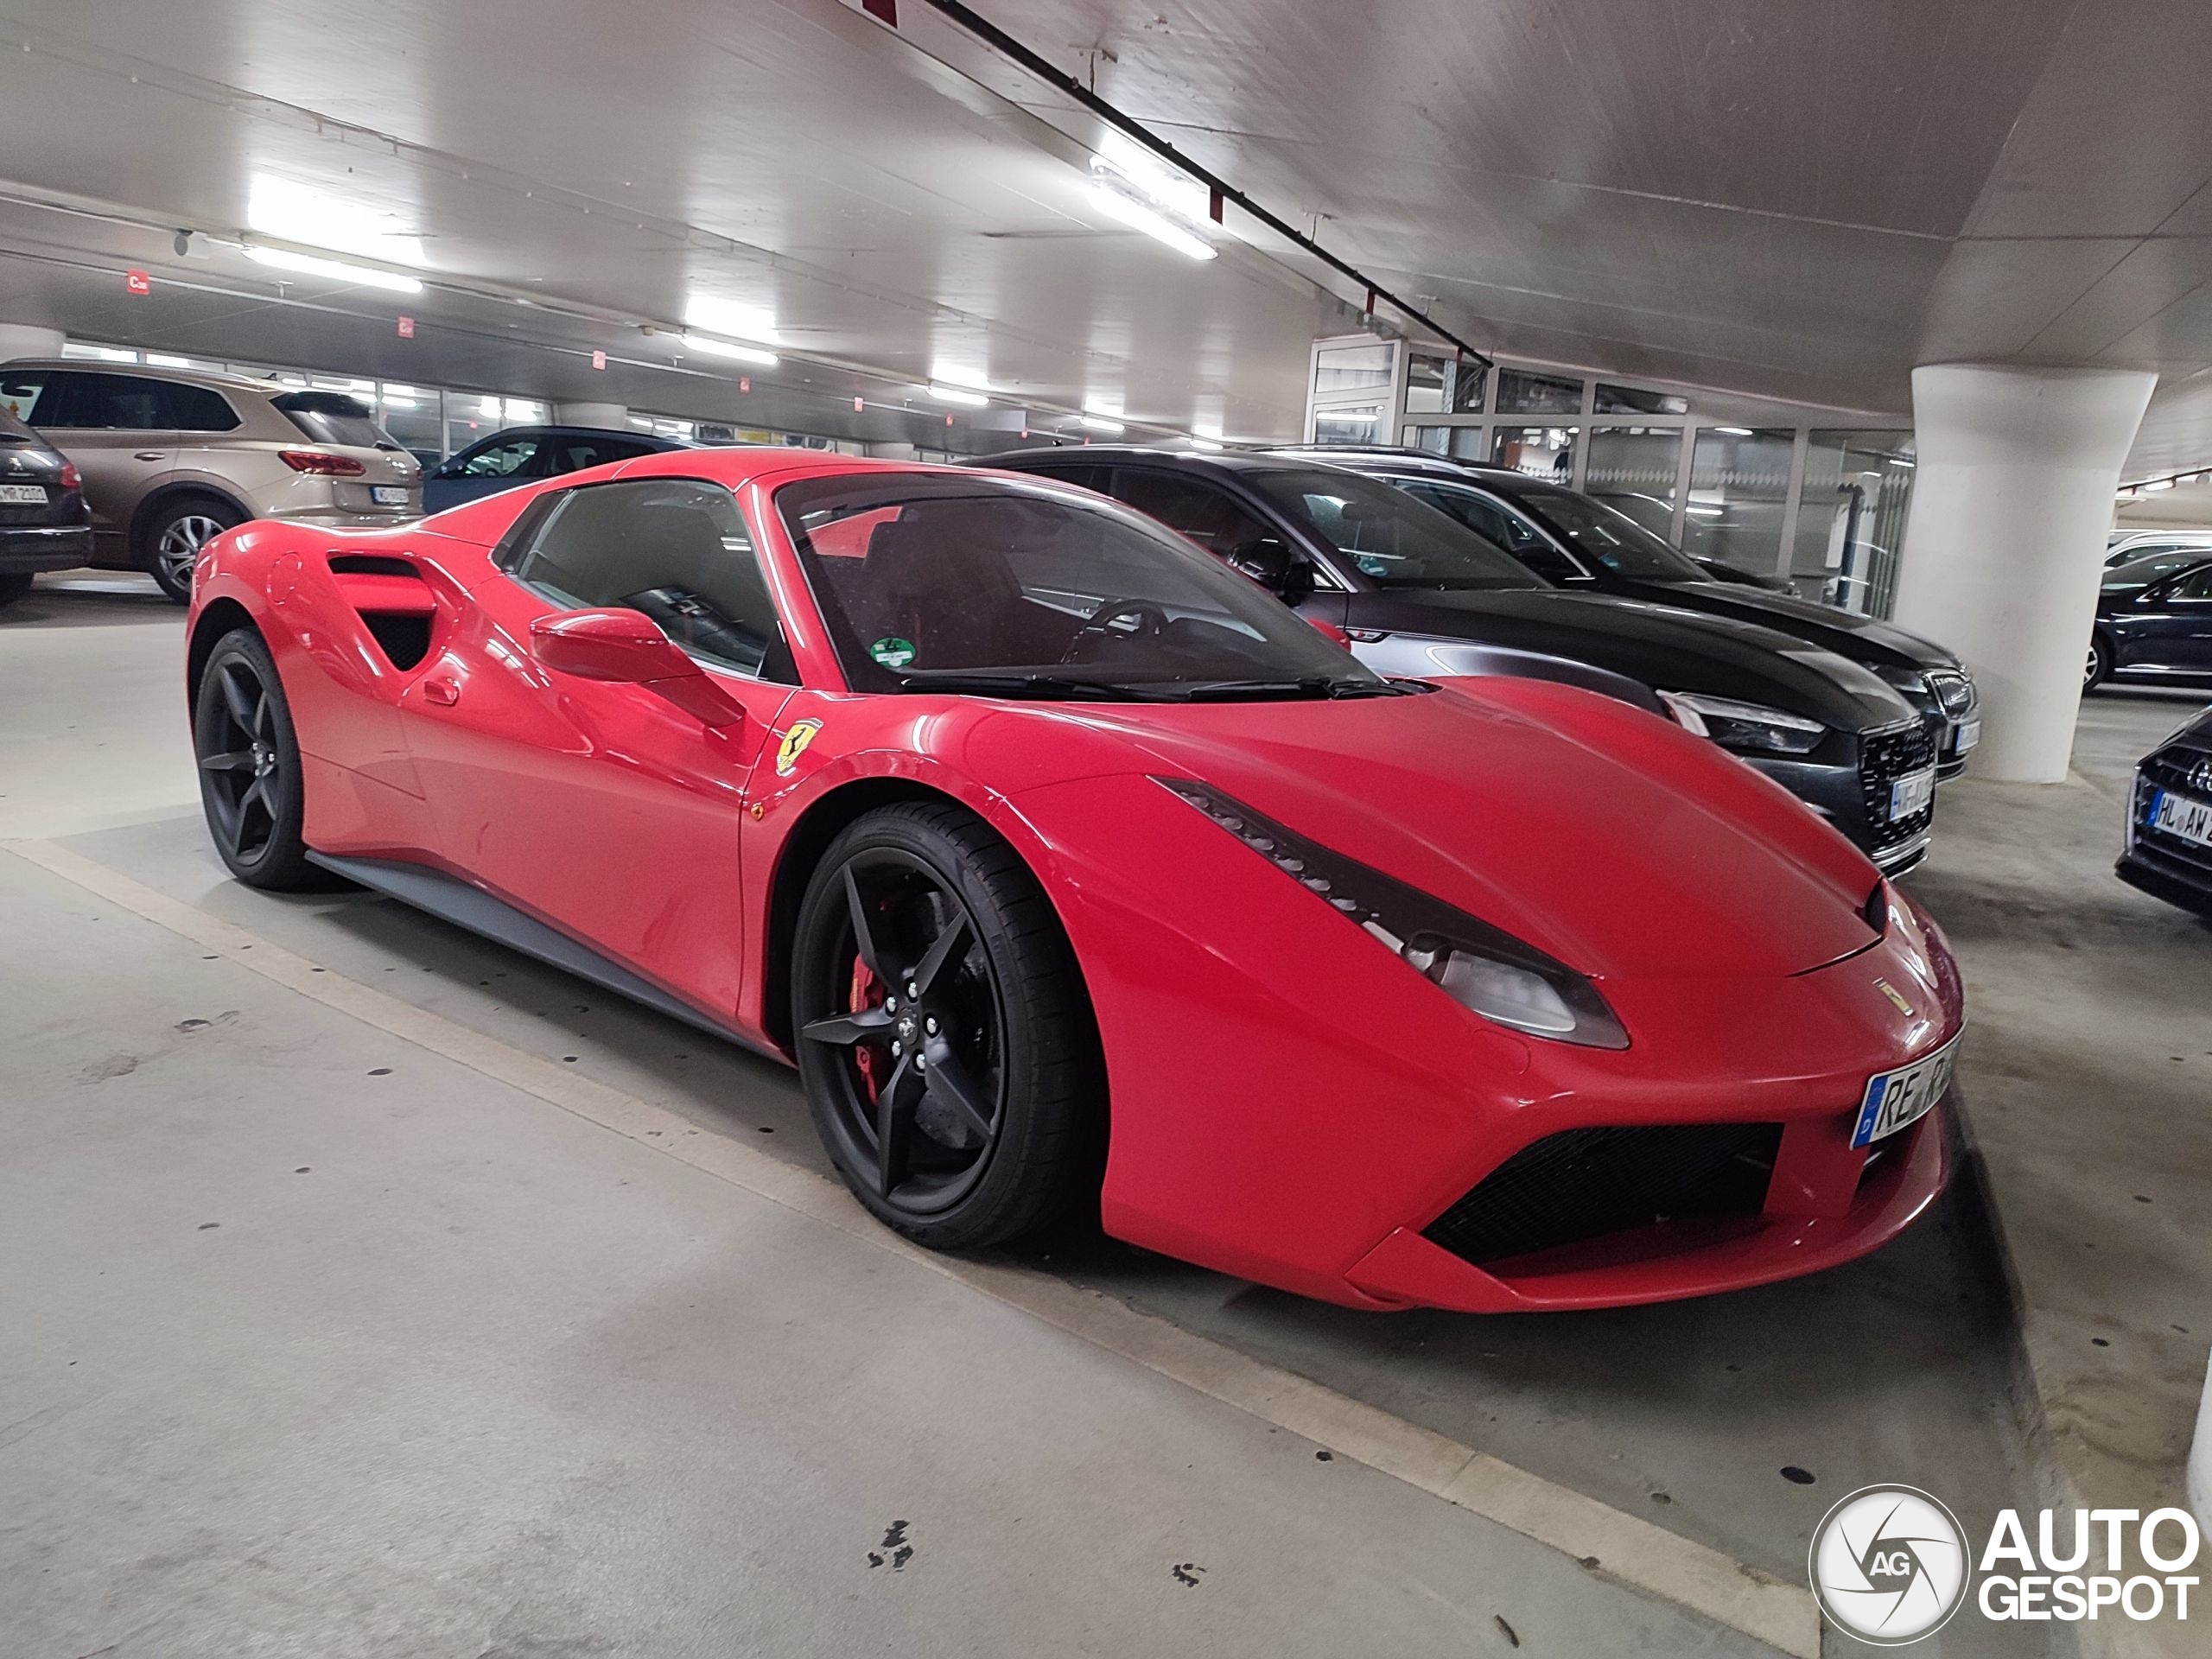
{"points": [[1580, 543], [525, 455], [2154, 623], [2169, 848], [44, 523], [1422, 596]]}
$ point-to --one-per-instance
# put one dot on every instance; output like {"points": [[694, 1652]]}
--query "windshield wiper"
{"points": [[1030, 685], [1312, 685]]}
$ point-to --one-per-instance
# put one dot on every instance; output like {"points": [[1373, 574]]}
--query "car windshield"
{"points": [[931, 583], [2137, 573], [1387, 537], [1607, 535], [334, 417]]}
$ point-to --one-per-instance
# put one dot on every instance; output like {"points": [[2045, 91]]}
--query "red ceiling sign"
{"points": [[744, 383], [599, 359], [884, 12], [856, 405], [407, 328], [138, 283]]}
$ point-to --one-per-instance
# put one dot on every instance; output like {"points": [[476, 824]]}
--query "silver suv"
{"points": [[173, 457]]}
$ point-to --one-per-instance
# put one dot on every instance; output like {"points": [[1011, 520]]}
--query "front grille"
{"points": [[1884, 756], [1583, 1184], [1954, 692]]}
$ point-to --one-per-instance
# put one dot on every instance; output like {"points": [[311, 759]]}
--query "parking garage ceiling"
{"points": [[1791, 202]]}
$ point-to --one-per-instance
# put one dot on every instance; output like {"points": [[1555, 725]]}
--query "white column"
{"points": [[28, 339], [2006, 544], [612, 416]]}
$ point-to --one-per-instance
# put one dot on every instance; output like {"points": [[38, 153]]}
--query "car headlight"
{"points": [[1747, 727], [1478, 966]]}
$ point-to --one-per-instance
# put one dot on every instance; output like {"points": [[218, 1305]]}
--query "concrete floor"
{"points": [[487, 1378]]}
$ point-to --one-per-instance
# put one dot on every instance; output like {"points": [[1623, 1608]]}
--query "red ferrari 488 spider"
{"points": [[1068, 866]]}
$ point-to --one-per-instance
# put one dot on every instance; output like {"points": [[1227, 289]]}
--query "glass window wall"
{"points": [[1739, 485], [1851, 518], [1634, 469], [1546, 452]]}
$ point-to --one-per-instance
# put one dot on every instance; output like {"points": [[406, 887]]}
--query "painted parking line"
{"points": [[1607, 1541]]}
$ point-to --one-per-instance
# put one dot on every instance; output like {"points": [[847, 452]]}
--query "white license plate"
{"points": [[23, 495], [1911, 793], [388, 495], [2178, 816], [1896, 1099], [1965, 736]]}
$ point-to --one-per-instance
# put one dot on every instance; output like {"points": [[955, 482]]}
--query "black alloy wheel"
{"points": [[2099, 668], [943, 1037], [250, 782]]}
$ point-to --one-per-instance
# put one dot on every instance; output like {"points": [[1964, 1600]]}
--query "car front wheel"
{"points": [[250, 782], [943, 1033], [175, 536], [2099, 667]]}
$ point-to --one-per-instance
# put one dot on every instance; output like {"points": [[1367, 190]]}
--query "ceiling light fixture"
{"points": [[1734, 431], [708, 344], [314, 264], [2159, 484], [1115, 193], [1100, 423], [960, 395]]}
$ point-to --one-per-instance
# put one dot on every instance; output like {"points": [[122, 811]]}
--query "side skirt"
{"points": [[451, 899]]}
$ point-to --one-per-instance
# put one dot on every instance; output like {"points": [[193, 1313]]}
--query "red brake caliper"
{"points": [[867, 993]]}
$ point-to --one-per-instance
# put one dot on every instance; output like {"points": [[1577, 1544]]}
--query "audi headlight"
{"points": [[1744, 727], [1478, 966]]}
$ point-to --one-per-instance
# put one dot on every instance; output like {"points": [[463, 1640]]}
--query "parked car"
{"points": [[2169, 847], [171, 458], [974, 796], [2154, 628], [1422, 595], [2125, 546], [44, 524], [523, 454], [1580, 543]]}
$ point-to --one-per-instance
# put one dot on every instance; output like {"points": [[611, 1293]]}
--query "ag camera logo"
{"points": [[1888, 1565]]}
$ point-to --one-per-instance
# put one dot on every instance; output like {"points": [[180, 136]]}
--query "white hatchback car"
{"points": [[173, 457]]}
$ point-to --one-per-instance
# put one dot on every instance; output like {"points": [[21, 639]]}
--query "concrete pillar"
{"points": [[614, 416], [28, 339], [2006, 545]]}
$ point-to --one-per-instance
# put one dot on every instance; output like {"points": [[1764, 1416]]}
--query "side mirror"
{"points": [[628, 648], [1271, 563]]}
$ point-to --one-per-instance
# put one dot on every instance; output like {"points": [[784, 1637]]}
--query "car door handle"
{"points": [[150, 454], [443, 692]]}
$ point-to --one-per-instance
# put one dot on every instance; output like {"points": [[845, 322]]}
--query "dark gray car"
{"points": [[1422, 596], [44, 523]]}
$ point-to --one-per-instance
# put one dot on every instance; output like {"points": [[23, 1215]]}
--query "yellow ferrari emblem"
{"points": [[1890, 991], [800, 734]]}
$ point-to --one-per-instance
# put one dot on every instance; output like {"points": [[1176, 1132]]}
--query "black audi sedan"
{"points": [[44, 523], [2154, 623], [1422, 596], [1580, 543], [2168, 853]]}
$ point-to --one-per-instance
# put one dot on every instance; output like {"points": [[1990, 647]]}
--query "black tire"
{"points": [[1007, 1131], [2098, 668], [14, 586], [170, 543], [250, 783]]}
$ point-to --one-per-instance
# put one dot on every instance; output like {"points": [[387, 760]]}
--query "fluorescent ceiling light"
{"points": [[1705, 512], [343, 269], [1100, 423], [713, 348], [2159, 484], [1734, 431], [961, 395], [730, 320], [1155, 225]]}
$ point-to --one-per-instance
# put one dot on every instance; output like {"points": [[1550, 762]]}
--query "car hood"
{"points": [[1862, 638], [1609, 837], [1662, 647]]}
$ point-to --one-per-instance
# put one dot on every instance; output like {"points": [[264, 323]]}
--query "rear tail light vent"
{"points": [[323, 466]]}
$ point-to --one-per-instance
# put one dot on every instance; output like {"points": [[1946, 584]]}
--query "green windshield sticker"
{"points": [[893, 651]]}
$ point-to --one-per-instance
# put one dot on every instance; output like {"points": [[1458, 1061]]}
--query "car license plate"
{"points": [[1896, 1099], [2180, 817], [388, 495], [1911, 793], [23, 495], [1965, 736]]}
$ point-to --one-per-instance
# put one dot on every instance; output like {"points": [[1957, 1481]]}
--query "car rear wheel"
{"points": [[175, 535], [943, 1035], [2099, 667], [250, 782], [13, 587]]}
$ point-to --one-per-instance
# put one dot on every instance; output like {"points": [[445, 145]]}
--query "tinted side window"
{"points": [[574, 454], [197, 409], [1084, 475], [32, 396], [122, 403], [1493, 523], [674, 548], [1205, 513], [2198, 584], [500, 461]]}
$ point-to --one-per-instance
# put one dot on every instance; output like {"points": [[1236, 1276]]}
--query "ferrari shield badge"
{"points": [[796, 737]]}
